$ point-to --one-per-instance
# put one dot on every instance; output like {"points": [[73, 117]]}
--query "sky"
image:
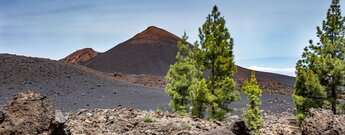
{"points": [[269, 35]]}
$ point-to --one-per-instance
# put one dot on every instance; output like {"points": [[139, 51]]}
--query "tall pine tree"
{"points": [[214, 55], [180, 78], [321, 72]]}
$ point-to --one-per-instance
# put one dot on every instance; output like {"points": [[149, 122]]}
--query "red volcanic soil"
{"points": [[153, 51], [80, 56], [270, 83]]}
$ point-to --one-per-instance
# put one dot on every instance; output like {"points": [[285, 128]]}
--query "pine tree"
{"points": [[215, 56], [252, 116], [180, 78], [322, 63]]}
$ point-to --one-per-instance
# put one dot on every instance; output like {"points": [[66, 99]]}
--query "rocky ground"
{"points": [[133, 121], [33, 113]]}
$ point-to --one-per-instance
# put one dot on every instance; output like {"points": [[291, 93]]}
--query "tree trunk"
{"points": [[212, 84], [334, 100], [200, 113]]}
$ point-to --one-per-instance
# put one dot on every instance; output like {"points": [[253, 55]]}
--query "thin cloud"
{"points": [[284, 71], [50, 11]]}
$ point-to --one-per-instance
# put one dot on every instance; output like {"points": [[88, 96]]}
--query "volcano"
{"points": [[153, 51], [149, 52]]}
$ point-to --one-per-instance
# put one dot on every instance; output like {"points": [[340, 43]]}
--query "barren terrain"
{"points": [[73, 87]]}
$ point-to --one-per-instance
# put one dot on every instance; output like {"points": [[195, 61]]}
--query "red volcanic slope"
{"points": [[152, 52], [80, 56], [243, 73]]}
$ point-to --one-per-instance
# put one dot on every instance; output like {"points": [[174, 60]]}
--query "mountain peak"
{"points": [[153, 33], [153, 28]]}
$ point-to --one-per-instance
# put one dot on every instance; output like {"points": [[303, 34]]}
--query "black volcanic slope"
{"points": [[72, 86], [149, 52], [152, 52]]}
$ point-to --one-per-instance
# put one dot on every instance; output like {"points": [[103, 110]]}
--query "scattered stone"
{"points": [[32, 113], [59, 117], [220, 131], [131, 121], [283, 124], [232, 118]]}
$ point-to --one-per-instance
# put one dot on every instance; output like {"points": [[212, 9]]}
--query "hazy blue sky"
{"points": [[269, 34]]}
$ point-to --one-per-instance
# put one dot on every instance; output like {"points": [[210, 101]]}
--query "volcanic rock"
{"points": [[283, 124], [132, 121], [28, 113], [322, 121], [240, 128], [80, 56]]}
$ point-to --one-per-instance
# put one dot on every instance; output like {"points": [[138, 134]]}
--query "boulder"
{"points": [[322, 121], [28, 113], [240, 128]]}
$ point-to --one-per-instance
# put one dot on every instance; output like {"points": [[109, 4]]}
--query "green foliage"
{"points": [[200, 96], [158, 110], [322, 68], [214, 55], [180, 78], [341, 107], [148, 119], [309, 93], [252, 116]]}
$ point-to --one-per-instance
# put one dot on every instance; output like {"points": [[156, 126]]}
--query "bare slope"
{"points": [[149, 52], [72, 86]]}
